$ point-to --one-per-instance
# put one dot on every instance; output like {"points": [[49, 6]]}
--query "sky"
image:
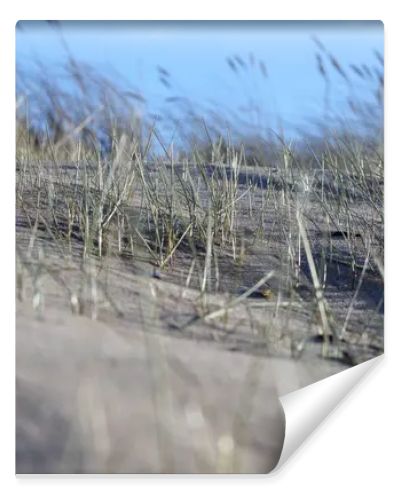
{"points": [[278, 68]]}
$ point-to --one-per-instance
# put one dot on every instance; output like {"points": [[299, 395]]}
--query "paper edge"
{"points": [[305, 409]]}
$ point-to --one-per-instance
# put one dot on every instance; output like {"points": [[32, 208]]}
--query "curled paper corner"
{"points": [[305, 409]]}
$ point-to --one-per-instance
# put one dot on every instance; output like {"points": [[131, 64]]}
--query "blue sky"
{"points": [[195, 55]]}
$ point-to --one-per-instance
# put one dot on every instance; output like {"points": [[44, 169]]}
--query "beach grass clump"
{"points": [[96, 179]]}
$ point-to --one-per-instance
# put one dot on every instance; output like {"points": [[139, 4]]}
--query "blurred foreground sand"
{"points": [[90, 400]]}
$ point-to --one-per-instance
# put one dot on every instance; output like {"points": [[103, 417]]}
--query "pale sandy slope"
{"points": [[94, 398]]}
